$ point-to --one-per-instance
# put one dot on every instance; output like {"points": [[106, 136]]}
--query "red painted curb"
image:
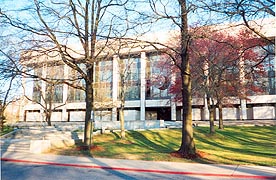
{"points": [[137, 170]]}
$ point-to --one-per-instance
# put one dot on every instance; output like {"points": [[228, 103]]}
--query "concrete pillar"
{"points": [[205, 111], [173, 110], [274, 111], [115, 78], [24, 100], [43, 84], [43, 92], [243, 109], [173, 103], [143, 86], [243, 113], [242, 75], [64, 115], [274, 72]]}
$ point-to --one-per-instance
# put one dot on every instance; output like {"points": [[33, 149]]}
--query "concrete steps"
{"points": [[18, 146], [37, 140]]}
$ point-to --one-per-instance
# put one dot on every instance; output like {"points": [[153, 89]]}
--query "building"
{"points": [[147, 96]]}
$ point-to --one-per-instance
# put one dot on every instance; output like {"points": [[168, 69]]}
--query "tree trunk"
{"points": [[121, 110], [89, 107], [220, 117], [211, 109], [122, 123], [2, 118], [187, 148], [48, 117], [48, 104], [212, 120]]}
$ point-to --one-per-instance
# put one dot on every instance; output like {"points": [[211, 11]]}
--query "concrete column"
{"points": [[243, 113], [274, 111], [275, 73], [43, 92], [243, 110], [143, 87], [242, 75], [43, 83], [205, 111], [65, 94], [115, 79], [24, 100], [173, 110], [173, 103]]}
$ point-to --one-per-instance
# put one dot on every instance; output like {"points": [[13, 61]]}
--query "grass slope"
{"points": [[6, 130], [233, 145]]}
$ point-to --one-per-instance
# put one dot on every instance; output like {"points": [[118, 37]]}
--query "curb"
{"points": [[138, 170]]}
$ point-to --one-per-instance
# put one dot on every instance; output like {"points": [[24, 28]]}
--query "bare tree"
{"points": [[187, 147], [6, 96], [180, 57], [48, 89], [254, 15], [58, 25], [9, 78], [128, 74], [129, 79]]}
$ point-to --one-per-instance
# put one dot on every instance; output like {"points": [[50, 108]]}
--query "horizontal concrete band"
{"points": [[138, 170]]}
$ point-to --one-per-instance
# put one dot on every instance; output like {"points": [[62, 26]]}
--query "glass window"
{"points": [[130, 72], [37, 93], [271, 67], [103, 80], [158, 77], [54, 88], [264, 74], [75, 94], [103, 71]]}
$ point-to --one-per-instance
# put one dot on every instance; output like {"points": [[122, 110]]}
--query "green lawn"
{"points": [[6, 130], [233, 145]]}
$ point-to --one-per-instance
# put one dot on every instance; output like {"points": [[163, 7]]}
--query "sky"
{"points": [[197, 17]]}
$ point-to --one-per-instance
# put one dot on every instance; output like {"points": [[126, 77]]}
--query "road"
{"points": [[20, 171], [28, 166]]}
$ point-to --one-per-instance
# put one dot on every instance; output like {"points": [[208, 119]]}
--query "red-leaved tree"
{"points": [[223, 65]]}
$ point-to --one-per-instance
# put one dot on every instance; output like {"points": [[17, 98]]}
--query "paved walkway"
{"points": [[191, 169]]}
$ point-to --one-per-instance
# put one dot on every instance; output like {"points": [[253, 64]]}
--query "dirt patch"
{"points": [[202, 154], [87, 148], [97, 148], [199, 154]]}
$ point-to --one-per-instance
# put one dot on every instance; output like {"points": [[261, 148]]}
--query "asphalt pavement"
{"points": [[156, 169], [204, 171]]}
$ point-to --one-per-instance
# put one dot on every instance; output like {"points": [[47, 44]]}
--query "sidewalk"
{"points": [[192, 169]]}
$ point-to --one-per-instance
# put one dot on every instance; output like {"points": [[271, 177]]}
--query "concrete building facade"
{"points": [[147, 95]]}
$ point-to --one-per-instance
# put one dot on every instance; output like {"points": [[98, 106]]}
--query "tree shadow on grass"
{"points": [[152, 146], [116, 135], [253, 135], [142, 141], [246, 144], [233, 149], [253, 145]]}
